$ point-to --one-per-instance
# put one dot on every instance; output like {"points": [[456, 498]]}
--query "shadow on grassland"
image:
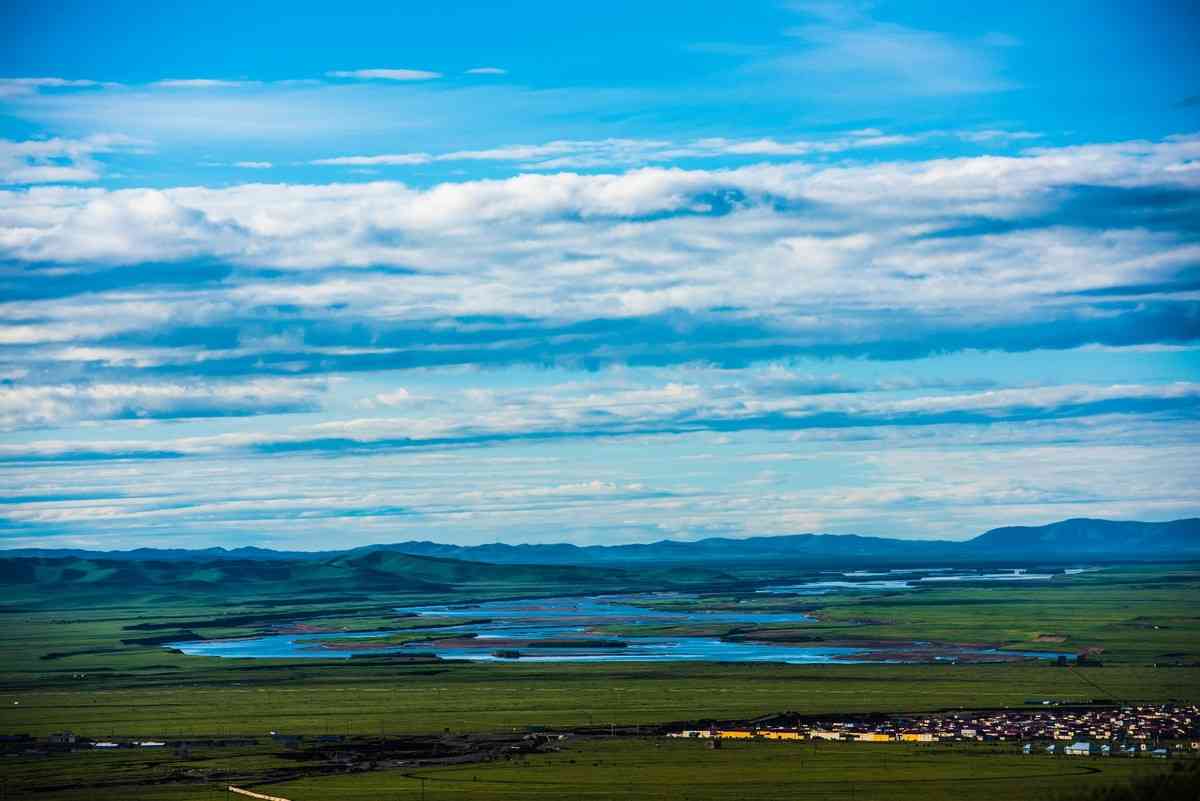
{"points": [[1181, 783]]}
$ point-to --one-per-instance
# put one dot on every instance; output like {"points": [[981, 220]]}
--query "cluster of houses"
{"points": [[1126, 730]]}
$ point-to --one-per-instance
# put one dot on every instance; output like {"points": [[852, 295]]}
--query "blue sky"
{"points": [[289, 277]]}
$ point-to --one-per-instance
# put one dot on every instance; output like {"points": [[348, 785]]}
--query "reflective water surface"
{"points": [[563, 629]]}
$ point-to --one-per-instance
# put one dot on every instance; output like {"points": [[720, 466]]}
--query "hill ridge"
{"points": [[1072, 538]]}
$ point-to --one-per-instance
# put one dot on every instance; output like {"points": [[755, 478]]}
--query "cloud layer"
{"points": [[765, 348], [1051, 248]]}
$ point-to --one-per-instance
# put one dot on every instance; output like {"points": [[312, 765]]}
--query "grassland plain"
{"points": [[94, 663], [633, 768], [657, 769], [348, 697]]}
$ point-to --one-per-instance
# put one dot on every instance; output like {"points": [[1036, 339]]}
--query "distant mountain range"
{"points": [[353, 571], [1078, 539]]}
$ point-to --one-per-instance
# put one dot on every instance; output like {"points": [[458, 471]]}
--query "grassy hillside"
{"points": [[1081, 538], [33, 580]]}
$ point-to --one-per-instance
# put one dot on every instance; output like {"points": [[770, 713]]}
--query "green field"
{"points": [[93, 663], [658, 769], [605, 768], [366, 699]]}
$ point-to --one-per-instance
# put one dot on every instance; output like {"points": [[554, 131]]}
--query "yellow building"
{"points": [[781, 735], [869, 737], [735, 734], [917, 737]]}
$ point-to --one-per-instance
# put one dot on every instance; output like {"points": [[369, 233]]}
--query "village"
{"points": [[1158, 731]]}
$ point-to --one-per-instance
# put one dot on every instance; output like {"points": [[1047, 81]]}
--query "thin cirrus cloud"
{"points": [[386, 74], [199, 83], [951, 477], [618, 152], [671, 409], [383, 160], [494, 494], [853, 54], [310, 111], [16, 87], [571, 154]]}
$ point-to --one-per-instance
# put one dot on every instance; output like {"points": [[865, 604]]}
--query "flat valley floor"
{"points": [[378, 726]]}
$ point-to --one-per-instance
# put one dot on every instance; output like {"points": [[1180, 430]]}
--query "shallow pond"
{"points": [[861, 581], [543, 630]]}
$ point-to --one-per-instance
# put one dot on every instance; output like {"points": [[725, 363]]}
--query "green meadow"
{"points": [[631, 768], [346, 697], [660, 769], [95, 663]]}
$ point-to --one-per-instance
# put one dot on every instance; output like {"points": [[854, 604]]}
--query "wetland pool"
{"points": [[571, 630]]}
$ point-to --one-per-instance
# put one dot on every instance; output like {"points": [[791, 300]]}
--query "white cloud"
{"points": [[604, 409], [820, 253], [339, 224], [904, 479], [954, 481], [254, 165], [46, 161], [31, 405], [486, 71], [396, 397], [386, 74]]}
